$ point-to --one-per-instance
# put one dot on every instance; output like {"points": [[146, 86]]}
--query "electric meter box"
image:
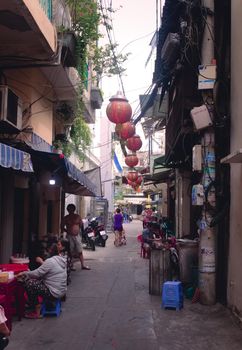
{"points": [[201, 117], [197, 158], [197, 195], [207, 76]]}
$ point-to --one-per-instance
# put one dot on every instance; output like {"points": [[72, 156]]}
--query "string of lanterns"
{"points": [[119, 112]]}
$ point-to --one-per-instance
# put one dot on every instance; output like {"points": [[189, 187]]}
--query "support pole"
{"points": [[207, 245]]}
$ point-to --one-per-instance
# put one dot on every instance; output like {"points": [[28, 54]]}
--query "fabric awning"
{"points": [[94, 175], [78, 183], [11, 157], [74, 181]]}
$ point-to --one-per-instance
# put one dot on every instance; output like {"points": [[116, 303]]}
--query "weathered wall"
{"points": [[235, 256], [36, 94]]}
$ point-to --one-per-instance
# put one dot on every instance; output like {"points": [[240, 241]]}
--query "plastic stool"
{"points": [[172, 295], [51, 307]]}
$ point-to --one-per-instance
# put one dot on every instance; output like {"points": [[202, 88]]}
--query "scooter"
{"points": [[88, 238], [101, 235]]}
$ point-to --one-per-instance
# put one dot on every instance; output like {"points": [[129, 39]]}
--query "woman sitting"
{"points": [[47, 281]]}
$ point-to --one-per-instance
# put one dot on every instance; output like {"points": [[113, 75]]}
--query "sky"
{"points": [[134, 24]]}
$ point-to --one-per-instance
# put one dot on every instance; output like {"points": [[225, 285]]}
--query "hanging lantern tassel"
{"points": [[117, 129], [139, 180]]}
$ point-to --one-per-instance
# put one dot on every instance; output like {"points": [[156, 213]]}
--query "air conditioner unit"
{"points": [[10, 110]]}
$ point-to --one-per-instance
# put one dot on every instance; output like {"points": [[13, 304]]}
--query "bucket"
{"points": [[188, 259]]}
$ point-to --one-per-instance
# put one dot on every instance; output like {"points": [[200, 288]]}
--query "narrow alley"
{"points": [[110, 308]]}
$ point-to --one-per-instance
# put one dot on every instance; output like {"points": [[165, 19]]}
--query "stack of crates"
{"points": [[172, 295]]}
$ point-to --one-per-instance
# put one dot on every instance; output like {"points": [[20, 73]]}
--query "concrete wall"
{"points": [[7, 215], [42, 22], [183, 203], [235, 245], [36, 94]]}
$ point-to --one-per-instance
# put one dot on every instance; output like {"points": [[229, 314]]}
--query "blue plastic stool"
{"points": [[172, 295], [51, 307]]}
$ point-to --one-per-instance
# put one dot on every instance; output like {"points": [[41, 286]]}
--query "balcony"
{"points": [[27, 35], [96, 98], [68, 53], [65, 81], [47, 7]]}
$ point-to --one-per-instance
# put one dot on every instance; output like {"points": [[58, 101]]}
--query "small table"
{"points": [[13, 290]]}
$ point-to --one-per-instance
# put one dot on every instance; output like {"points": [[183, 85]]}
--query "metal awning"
{"points": [[158, 177], [11, 157], [159, 161], [74, 181]]}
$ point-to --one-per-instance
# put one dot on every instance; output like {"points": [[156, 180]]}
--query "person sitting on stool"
{"points": [[48, 281]]}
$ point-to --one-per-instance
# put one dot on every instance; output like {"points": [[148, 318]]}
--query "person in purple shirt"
{"points": [[118, 226]]}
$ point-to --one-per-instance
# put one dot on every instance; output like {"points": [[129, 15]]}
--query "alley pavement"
{"points": [[110, 308]]}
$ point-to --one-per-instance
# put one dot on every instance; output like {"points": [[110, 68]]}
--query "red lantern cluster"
{"points": [[134, 179], [119, 112]]}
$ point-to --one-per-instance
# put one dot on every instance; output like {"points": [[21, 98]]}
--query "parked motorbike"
{"points": [[88, 238], [101, 235]]}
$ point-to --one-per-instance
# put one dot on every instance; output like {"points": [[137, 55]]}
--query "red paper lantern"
{"points": [[132, 175], [126, 130], [139, 180], [134, 143], [119, 110], [131, 160]]}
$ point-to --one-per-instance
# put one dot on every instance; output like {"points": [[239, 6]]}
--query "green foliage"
{"points": [[65, 112], [80, 139], [106, 62], [85, 18], [80, 136], [64, 145]]}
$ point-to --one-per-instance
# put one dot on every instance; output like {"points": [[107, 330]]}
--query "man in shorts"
{"points": [[72, 224]]}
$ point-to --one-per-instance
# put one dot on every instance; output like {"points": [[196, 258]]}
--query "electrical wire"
{"points": [[111, 45], [132, 41]]}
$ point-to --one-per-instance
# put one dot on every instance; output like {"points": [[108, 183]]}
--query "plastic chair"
{"points": [[172, 295], [51, 307]]}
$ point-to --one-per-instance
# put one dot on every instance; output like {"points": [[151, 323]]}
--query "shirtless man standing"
{"points": [[72, 224]]}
